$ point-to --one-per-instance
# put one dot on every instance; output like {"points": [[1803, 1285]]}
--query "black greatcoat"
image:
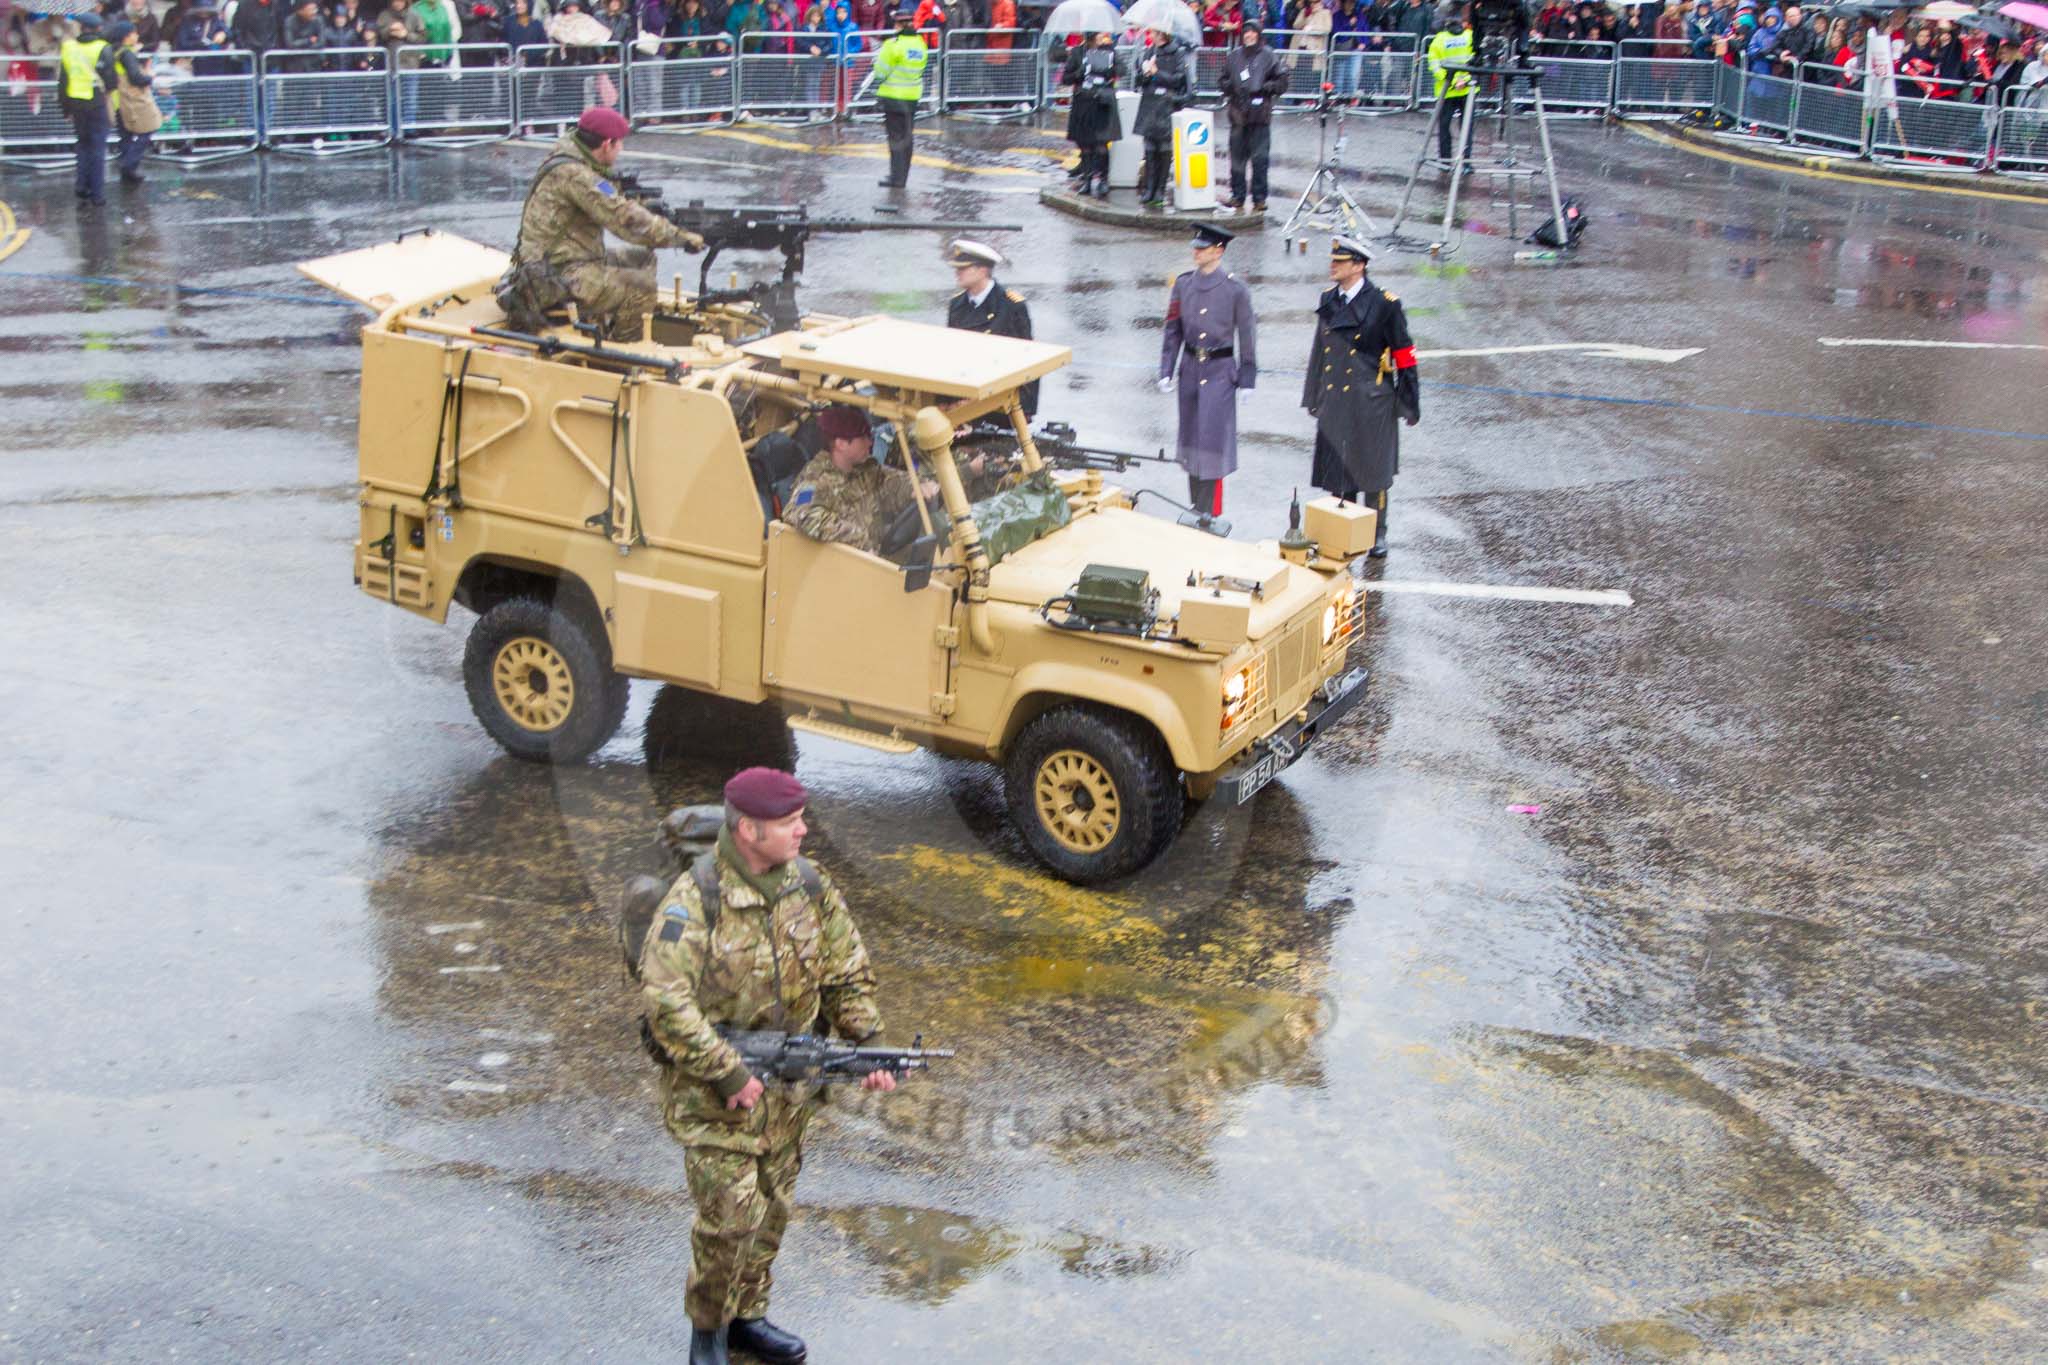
{"points": [[1092, 120], [1357, 392], [1168, 88], [1003, 313]]}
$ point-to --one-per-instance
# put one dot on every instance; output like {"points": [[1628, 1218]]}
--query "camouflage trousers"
{"points": [[616, 293], [743, 1207]]}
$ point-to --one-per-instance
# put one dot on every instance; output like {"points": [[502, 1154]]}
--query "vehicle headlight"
{"points": [[1330, 619], [1237, 687]]}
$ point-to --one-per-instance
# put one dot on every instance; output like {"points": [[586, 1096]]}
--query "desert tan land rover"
{"points": [[603, 510]]}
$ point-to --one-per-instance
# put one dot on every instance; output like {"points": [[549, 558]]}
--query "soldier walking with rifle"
{"points": [[750, 956]]}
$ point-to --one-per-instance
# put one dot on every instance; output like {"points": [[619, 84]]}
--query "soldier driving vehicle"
{"points": [[595, 505]]}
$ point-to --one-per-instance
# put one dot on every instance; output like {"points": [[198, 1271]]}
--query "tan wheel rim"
{"points": [[1078, 802], [533, 684]]}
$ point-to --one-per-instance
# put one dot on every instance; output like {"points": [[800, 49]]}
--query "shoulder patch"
{"points": [[803, 495], [671, 930], [675, 912], [1392, 297], [605, 187], [1013, 296]]}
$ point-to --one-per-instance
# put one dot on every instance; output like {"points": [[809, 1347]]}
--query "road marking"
{"points": [[480, 967], [507, 1035], [1814, 168], [1603, 350], [455, 928], [12, 236], [1508, 592], [871, 151], [1933, 345], [478, 1087]]}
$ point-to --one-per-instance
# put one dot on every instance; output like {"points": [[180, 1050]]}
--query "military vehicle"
{"points": [[603, 509]]}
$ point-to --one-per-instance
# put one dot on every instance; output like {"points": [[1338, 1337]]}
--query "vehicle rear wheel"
{"points": [[1093, 791], [540, 679]]}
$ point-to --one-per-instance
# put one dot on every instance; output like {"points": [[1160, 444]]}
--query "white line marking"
{"points": [[1591, 597], [477, 1087], [507, 1035], [1933, 345], [481, 967], [1603, 350], [455, 928]]}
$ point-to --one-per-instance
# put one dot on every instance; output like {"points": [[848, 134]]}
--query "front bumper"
{"points": [[1267, 758]]}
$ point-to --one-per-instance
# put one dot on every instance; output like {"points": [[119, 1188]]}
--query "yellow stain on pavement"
{"points": [[12, 236], [1017, 893], [868, 150], [1822, 168]]}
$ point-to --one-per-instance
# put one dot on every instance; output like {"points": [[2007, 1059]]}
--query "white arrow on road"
{"points": [[1933, 345], [1603, 350]]}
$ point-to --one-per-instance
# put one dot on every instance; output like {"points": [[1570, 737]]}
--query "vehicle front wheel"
{"points": [[540, 679], [1093, 791]]}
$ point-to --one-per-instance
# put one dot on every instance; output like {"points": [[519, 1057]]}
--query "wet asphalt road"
{"points": [[316, 1045]]}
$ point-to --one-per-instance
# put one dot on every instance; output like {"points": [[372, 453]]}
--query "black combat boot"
{"points": [[764, 1339], [708, 1348], [1379, 531]]}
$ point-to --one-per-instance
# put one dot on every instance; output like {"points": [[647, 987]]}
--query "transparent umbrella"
{"points": [[1168, 16], [1084, 16], [1946, 9]]}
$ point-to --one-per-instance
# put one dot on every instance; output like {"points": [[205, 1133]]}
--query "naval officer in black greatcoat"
{"points": [[983, 305], [1361, 379]]}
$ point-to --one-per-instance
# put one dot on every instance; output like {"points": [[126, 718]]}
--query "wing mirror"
{"points": [[917, 565]]}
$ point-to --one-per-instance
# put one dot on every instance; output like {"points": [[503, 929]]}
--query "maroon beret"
{"points": [[842, 423], [765, 793], [604, 123]]}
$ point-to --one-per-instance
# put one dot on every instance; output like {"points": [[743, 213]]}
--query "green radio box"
{"points": [[1107, 592]]}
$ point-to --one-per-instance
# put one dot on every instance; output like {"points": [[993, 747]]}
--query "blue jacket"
{"points": [[845, 33]]}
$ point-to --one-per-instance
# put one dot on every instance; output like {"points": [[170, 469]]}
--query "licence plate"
{"points": [[1258, 775]]}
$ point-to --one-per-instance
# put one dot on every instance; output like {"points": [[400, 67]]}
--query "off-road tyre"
{"points": [[1056, 778], [520, 654]]}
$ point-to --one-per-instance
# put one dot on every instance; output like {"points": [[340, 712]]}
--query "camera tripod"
{"points": [[1326, 205], [1502, 160]]}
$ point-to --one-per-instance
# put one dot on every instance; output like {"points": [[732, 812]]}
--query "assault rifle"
{"points": [[770, 227], [810, 1060]]}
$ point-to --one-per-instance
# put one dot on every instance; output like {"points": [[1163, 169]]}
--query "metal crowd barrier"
{"points": [[2023, 134], [338, 100], [458, 94], [1380, 69], [684, 84], [780, 85], [1661, 75], [34, 130], [209, 103], [1575, 84], [990, 71], [552, 86], [1826, 117], [1953, 132], [1767, 105], [862, 103]]}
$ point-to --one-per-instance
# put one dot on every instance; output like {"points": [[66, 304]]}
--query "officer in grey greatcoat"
{"points": [[1212, 339], [1361, 379]]}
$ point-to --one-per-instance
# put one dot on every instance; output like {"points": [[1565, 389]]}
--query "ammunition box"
{"points": [[1106, 592], [1216, 618], [1339, 529]]}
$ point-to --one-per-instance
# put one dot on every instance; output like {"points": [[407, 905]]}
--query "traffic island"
{"points": [[1127, 212]]}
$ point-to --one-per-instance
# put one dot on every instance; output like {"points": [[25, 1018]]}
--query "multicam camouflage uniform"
{"points": [[742, 1164], [572, 204], [851, 509]]}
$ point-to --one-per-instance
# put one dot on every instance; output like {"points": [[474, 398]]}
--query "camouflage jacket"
{"points": [[574, 202], [695, 977], [852, 509]]}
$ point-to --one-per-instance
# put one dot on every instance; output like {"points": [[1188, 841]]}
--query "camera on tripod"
{"points": [[1501, 28]]}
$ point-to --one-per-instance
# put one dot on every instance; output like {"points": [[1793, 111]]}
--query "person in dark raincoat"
{"points": [[1361, 377], [1166, 82], [1212, 338], [1092, 121]]}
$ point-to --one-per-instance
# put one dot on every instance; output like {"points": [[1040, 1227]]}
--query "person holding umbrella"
{"points": [[1166, 81], [1092, 120]]}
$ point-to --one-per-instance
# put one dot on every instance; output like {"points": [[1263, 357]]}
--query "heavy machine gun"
{"points": [[786, 228], [1057, 446]]}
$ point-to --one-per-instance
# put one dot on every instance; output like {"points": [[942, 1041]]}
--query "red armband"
{"points": [[1404, 359]]}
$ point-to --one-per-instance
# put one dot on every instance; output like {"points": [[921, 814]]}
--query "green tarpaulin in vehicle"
{"points": [[1015, 517]]}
